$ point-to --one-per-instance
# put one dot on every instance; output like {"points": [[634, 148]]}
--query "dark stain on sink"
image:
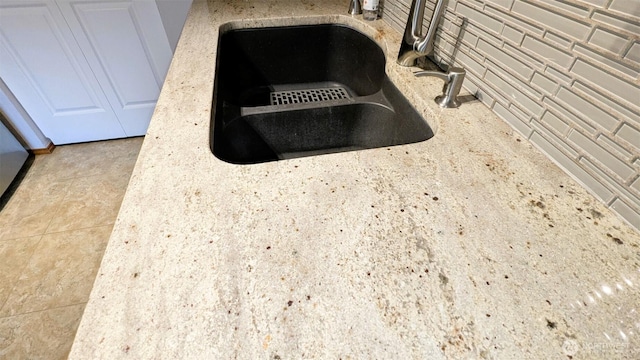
{"points": [[288, 92]]}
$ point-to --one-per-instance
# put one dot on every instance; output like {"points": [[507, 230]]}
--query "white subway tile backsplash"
{"points": [[479, 18], [622, 152], [531, 27], [598, 3], [622, 192], [486, 96], [517, 123], [476, 54], [494, 94], [611, 162], [467, 37], [513, 94], [551, 53], [481, 91], [605, 100], [565, 73], [513, 34], [523, 86], [395, 21], [599, 77], [504, 59], [608, 40], [519, 113], [571, 167], [630, 135], [557, 141], [579, 10], [636, 184], [623, 25], [633, 54], [575, 120], [480, 33], [626, 7], [552, 20], [558, 40], [471, 64], [586, 109], [627, 212], [601, 59], [446, 45], [516, 51], [506, 4], [561, 76], [545, 83], [555, 123]]}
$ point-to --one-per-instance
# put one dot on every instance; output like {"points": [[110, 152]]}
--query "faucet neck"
{"points": [[413, 29], [414, 45]]}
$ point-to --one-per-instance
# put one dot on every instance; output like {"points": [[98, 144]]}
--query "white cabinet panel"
{"points": [[84, 70], [43, 66], [127, 48]]}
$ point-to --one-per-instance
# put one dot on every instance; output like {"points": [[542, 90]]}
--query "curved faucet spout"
{"points": [[425, 45], [414, 45], [413, 30]]}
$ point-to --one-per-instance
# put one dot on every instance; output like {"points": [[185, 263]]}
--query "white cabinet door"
{"points": [[84, 70], [45, 69], [126, 46]]}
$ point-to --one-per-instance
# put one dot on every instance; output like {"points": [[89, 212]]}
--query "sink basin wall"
{"points": [[252, 59], [254, 63], [280, 135]]}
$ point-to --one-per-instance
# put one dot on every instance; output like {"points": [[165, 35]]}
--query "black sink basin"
{"points": [[296, 91]]}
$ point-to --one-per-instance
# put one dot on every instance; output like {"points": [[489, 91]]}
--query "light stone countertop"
{"points": [[469, 245]]}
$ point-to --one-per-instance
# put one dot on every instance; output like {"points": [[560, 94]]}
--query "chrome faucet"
{"points": [[415, 46], [354, 7]]}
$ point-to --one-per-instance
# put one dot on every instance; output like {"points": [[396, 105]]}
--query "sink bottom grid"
{"points": [[308, 95]]}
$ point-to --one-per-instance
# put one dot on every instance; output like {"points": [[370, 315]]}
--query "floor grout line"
{"points": [[51, 219], [43, 310], [69, 194], [78, 229]]}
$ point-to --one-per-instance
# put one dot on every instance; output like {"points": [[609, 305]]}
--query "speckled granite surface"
{"points": [[469, 245]]}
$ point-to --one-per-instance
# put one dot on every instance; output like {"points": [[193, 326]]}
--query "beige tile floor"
{"points": [[53, 232]]}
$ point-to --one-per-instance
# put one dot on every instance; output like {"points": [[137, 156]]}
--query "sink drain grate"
{"points": [[308, 95]]}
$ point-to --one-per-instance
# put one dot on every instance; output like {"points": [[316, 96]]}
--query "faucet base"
{"points": [[446, 102], [355, 8], [407, 58], [408, 62]]}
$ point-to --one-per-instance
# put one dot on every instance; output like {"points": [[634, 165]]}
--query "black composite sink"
{"points": [[296, 91]]}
